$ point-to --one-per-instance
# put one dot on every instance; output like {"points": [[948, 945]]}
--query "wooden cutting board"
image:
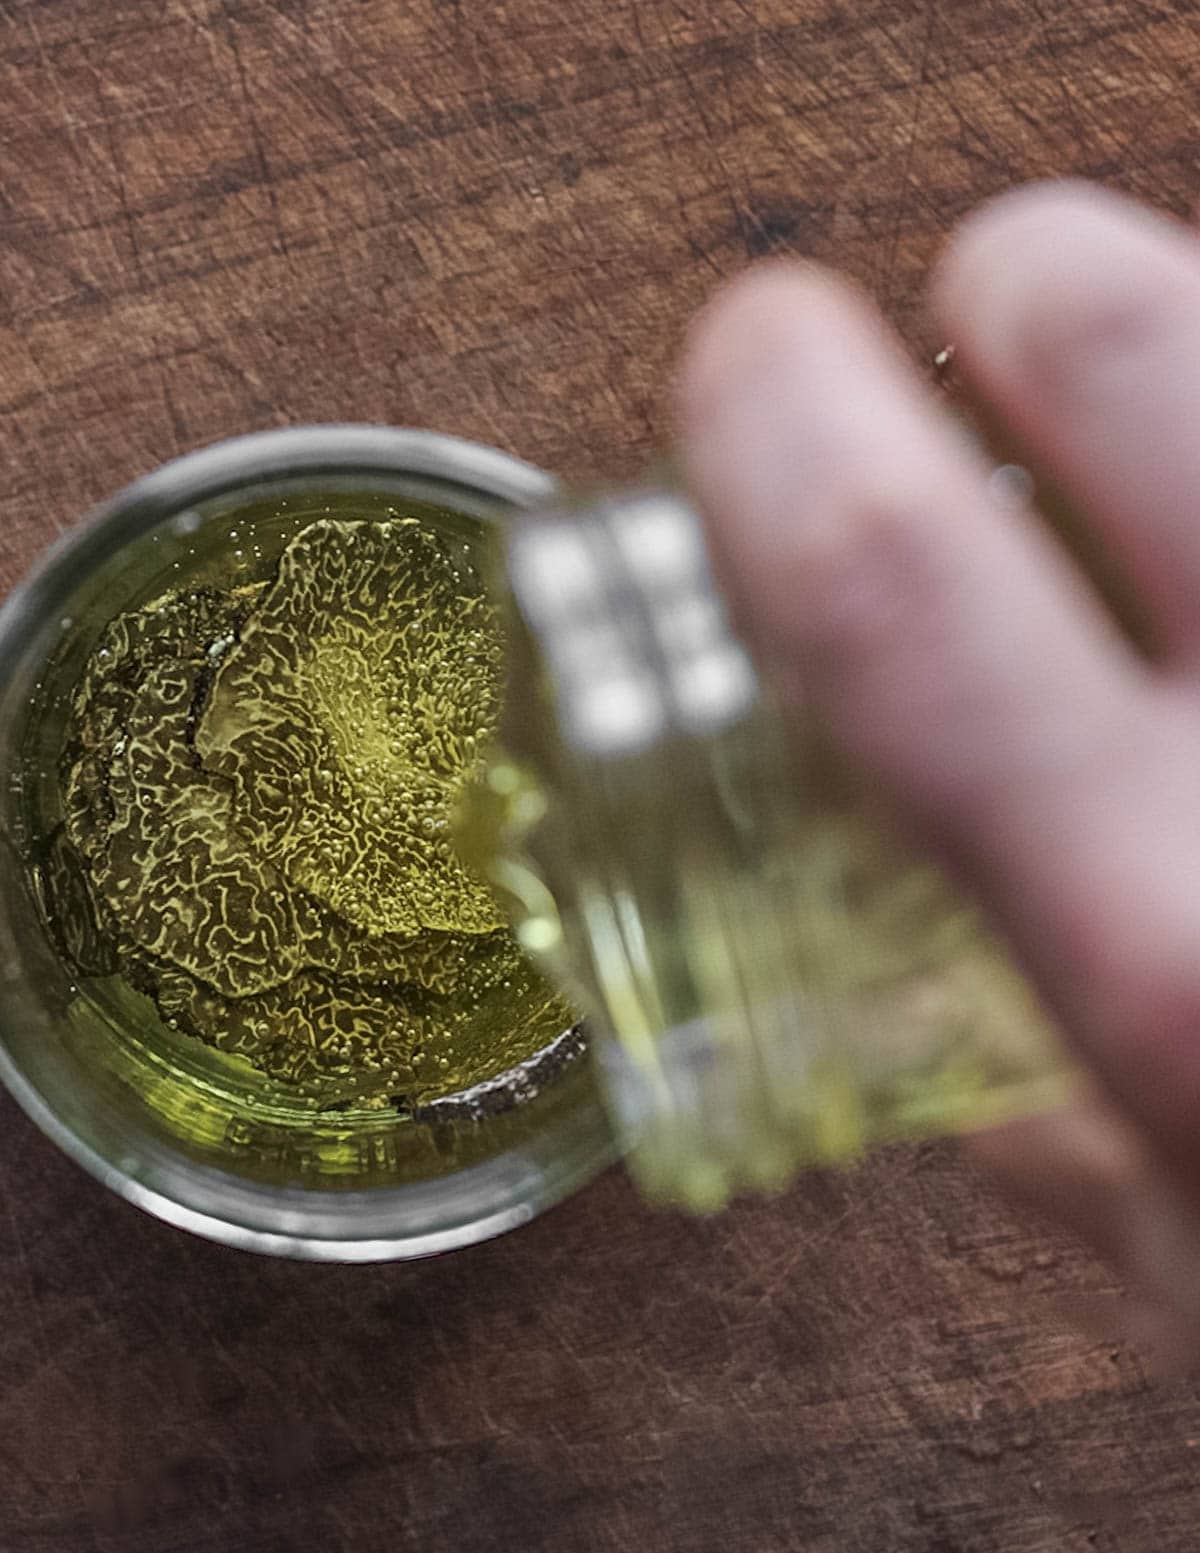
{"points": [[495, 219]]}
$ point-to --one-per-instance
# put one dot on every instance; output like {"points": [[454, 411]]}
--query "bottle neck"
{"points": [[769, 980], [634, 639], [650, 866]]}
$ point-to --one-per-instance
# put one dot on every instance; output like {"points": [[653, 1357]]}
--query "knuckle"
{"points": [[874, 584], [1088, 345], [877, 615]]}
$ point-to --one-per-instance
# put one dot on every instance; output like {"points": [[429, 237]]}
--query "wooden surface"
{"points": [[495, 219]]}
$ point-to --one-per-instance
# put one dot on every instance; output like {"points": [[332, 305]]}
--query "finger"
{"points": [[1087, 1169], [945, 636], [1077, 314], [959, 660], [1069, 1165]]}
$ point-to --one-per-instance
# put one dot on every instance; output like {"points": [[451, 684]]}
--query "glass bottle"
{"points": [[771, 979]]}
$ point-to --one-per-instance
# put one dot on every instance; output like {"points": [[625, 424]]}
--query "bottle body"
{"points": [[770, 978]]}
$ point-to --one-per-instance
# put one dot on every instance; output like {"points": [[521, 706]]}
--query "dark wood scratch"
{"points": [[254, 129], [1064, 90], [905, 192]]}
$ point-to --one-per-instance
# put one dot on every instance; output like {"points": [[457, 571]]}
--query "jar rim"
{"points": [[333, 449]]}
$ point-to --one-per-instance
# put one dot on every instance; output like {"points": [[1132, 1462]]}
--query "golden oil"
{"points": [[239, 813]]}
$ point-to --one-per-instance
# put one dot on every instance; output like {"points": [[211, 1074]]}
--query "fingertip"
{"points": [[753, 328], [1045, 267], [985, 240]]}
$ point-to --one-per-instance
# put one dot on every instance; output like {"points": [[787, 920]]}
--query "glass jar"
{"points": [[172, 1126], [770, 979]]}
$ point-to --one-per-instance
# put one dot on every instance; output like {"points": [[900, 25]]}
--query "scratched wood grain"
{"points": [[495, 219]]}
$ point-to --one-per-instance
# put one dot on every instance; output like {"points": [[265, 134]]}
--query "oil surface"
{"points": [[256, 780]]}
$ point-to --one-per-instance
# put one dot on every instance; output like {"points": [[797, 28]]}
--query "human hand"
{"points": [[961, 658]]}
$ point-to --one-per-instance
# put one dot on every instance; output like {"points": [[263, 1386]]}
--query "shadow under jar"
{"points": [[188, 1129]]}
